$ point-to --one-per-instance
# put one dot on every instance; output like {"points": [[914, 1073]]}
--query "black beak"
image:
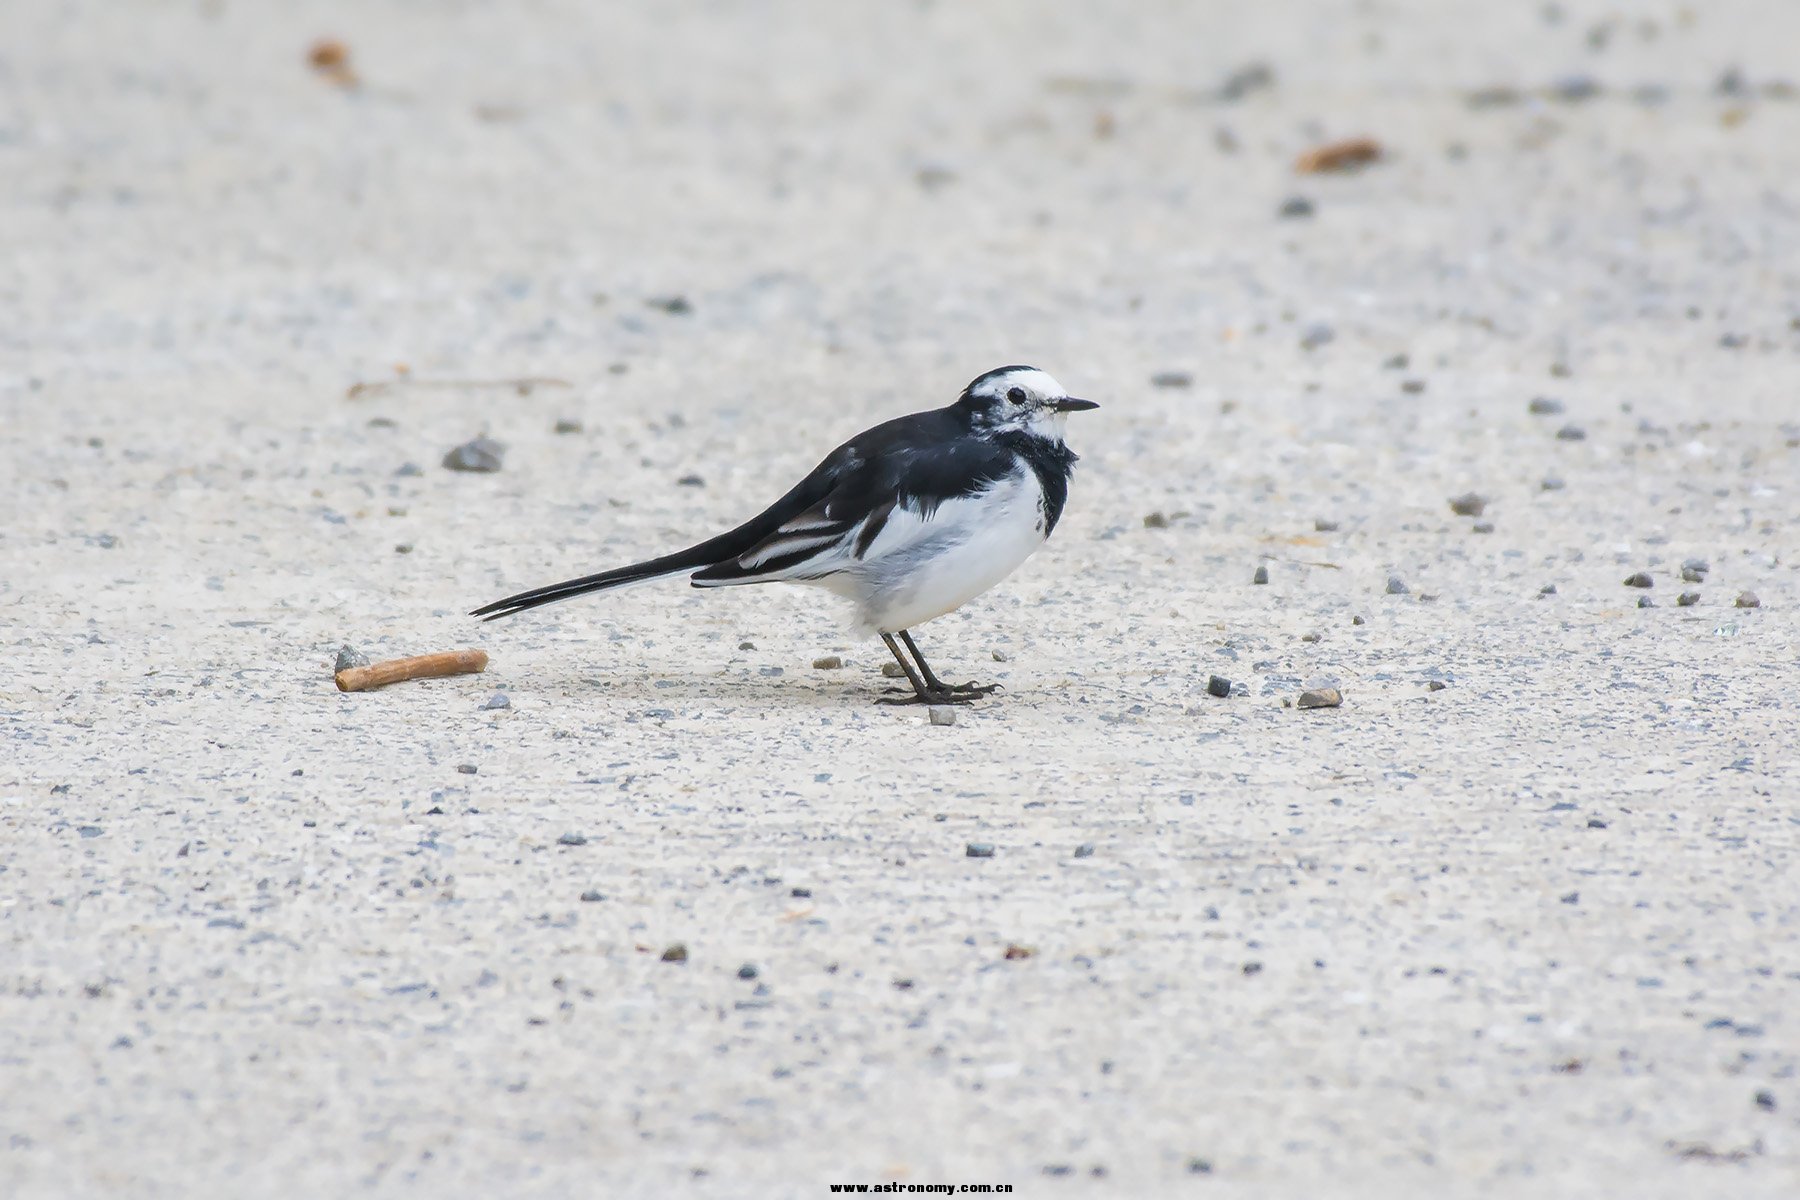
{"points": [[1071, 404]]}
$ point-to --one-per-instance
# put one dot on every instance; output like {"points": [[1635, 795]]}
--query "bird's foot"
{"points": [[966, 693]]}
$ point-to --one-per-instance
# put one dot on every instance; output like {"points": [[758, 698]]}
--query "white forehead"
{"points": [[1034, 381]]}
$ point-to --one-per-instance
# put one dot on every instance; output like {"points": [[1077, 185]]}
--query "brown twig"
{"points": [[421, 666], [1347, 155]]}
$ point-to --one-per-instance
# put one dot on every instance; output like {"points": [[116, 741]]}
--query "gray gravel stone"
{"points": [[483, 454], [1396, 586], [1317, 334], [1469, 504], [1218, 685]]}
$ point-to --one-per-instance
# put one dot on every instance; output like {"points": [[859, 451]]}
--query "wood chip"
{"points": [[422, 666], [1347, 155]]}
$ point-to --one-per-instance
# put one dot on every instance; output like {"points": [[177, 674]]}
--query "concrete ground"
{"points": [[1532, 932]]}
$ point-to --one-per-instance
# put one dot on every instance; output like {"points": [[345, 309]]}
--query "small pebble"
{"points": [[1573, 89], [1321, 525], [566, 425], [1748, 600], [1469, 504], [1218, 685], [693, 481], [1085, 850], [1571, 898], [1765, 1100], [349, 657], [1412, 387], [1261, 576], [1309, 637], [1694, 570], [1435, 685], [675, 306], [830, 662], [1646, 602], [1396, 586], [1639, 579], [1014, 952], [571, 839], [1544, 406], [591, 897], [1317, 334], [942, 714], [1482, 527], [1358, 621], [978, 850], [482, 454], [1320, 698], [1396, 362], [676, 953], [497, 701], [747, 971], [1295, 208], [1571, 433], [1552, 483], [800, 893], [746, 645], [1199, 1166], [1687, 599], [1596, 823], [1172, 379], [996, 655], [893, 670], [1156, 520], [467, 769], [1549, 589]]}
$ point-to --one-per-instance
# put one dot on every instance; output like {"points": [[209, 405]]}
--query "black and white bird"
{"points": [[908, 520]]}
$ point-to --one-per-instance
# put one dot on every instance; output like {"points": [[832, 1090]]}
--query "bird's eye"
{"points": [[1017, 395]]}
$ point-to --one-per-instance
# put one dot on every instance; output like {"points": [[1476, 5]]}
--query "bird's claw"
{"points": [[966, 693]]}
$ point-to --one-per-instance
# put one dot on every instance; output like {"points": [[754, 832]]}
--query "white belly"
{"points": [[967, 546]]}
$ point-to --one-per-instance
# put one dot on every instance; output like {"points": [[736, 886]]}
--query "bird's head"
{"points": [[1022, 400]]}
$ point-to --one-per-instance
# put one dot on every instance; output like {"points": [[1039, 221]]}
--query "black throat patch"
{"points": [[1052, 463]]}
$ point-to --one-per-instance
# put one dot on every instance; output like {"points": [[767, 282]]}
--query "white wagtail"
{"points": [[908, 520]]}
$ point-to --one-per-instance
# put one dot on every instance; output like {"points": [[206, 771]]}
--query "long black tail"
{"points": [[681, 562], [724, 548]]}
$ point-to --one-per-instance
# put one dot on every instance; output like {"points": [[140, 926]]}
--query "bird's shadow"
{"points": [[638, 689]]}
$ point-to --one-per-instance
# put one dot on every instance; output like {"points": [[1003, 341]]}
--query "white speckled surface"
{"points": [[1536, 933]]}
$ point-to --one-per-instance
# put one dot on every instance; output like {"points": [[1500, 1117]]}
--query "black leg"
{"points": [[927, 687], [920, 694]]}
